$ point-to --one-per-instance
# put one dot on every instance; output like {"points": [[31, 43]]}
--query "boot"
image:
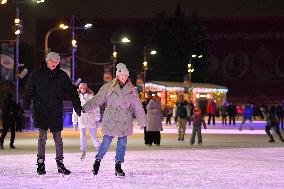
{"points": [[12, 146], [1, 146], [61, 168], [96, 166], [83, 155], [118, 171], [41, 167]]}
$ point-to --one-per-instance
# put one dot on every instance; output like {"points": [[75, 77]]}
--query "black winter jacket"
{"points": [[44, 92]]}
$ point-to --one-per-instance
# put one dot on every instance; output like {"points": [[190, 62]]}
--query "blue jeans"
{"points": [[120, 148]]}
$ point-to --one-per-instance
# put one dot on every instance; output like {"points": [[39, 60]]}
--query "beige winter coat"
{"points": [[154, 116], [120, 104], [90, 118]]}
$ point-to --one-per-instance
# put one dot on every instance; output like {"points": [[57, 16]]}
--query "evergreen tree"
{"points": [[171, 39]]}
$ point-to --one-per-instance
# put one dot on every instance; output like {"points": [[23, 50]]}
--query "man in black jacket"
{"points": [[9, 115], [45, 91]]}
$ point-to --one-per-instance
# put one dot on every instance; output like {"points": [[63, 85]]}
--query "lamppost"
{"points": [[61, 26], [74, 42], [190, 69], [18, 30], [114, 52], [145, 65]]}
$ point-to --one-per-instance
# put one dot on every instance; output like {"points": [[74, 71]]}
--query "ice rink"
{"points": [[191, 168], [228, 158]]}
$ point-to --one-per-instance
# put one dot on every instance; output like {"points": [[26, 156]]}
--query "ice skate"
{"points": [[61, 168], [271, 141], [83, 155], [41, 167], [118, 171], [96, 166]]}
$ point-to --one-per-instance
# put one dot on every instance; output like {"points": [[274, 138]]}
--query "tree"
{"points": [[171, 39]]}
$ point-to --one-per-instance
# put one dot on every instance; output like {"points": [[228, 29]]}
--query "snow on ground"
{"points": [[189, 168]]}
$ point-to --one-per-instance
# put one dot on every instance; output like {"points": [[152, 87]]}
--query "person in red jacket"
{"points": [[211, 111]]}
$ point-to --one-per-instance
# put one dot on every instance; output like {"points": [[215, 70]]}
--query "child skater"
{"points": [[88, 120], [197, 120]]}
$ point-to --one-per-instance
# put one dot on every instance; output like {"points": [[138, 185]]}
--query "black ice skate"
{"points": [[118, 171], [41, 167], [83, 155], [61, 168], [96, 166]]}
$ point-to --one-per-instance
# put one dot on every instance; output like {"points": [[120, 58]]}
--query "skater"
{"points": [[280, 114], [197, 121], [224, 112], [154, 120], [270, 115], [9, 117], [144, 104], [232, 111], [122, 100], [181, 114], [46, 88], [247, 115], [169, 114], [87, 120], [211, 111]]}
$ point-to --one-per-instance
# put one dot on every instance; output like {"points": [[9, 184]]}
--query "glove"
{"points": [[78, 111], [142, 127], [176, 119]]}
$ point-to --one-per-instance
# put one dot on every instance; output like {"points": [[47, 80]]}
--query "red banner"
{"points": [[247, 54]]}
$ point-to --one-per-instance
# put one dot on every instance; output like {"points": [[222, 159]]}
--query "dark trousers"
{"points": [[42, 141], [281, 122], [209, 119], [6, 126], [168, 119], [194, 131], [224, 119], [232, 118], [154, 137], [146, 136], [277, 130]]}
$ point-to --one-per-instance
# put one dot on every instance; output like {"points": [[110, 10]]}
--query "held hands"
{"points": [[79, 110], [75, 126]]}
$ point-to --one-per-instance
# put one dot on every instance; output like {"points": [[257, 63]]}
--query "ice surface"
{"points": [[186, 168]]}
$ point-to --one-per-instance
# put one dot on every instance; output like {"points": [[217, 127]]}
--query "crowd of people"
{"points": [[44, 94]]}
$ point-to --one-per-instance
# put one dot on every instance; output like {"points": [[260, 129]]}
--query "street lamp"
{"points": [[60, 27], [74, 42], [145, 64], [114, 52], [18, 30]]}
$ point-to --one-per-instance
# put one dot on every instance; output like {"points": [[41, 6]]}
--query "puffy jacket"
{"points": [[88, 119]]}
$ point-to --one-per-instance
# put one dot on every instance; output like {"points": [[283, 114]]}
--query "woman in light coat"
{"points": [[121, 100], [88, 120], [154, 120]]}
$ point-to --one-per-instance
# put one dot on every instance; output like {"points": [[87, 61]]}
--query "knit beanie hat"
{"points": [[52, 55], [121, 69]]}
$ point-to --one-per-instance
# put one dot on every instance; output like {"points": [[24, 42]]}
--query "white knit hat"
{"points": [[52, 55], [121, 69]]}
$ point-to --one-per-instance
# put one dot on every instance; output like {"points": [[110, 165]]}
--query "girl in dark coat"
{"points": [[46, 88]]}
